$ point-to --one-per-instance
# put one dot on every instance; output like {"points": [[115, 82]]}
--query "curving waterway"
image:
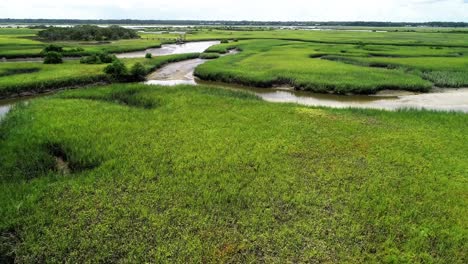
{"points": [[446, 99], [171, 49]]}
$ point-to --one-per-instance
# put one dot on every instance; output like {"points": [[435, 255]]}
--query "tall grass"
{"points": [[265, 63], [212, 175]]}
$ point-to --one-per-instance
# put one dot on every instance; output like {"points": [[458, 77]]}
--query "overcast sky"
{"points": [[272, 10]]}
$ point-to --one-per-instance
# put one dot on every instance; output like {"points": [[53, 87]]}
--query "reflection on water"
{"points": [[7, 104], [170, 49], [4, 109]]}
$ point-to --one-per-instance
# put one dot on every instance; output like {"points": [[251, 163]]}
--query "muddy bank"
{"points": [[175, 73]]}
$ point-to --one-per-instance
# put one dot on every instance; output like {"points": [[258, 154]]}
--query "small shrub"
{"points": [[98, 58], [224, 41], [149, 55], [117, 70], [53, 58], [138, 72]]}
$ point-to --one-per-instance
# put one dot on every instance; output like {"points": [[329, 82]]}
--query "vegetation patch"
{"points": [[447, 78], [209, 55]]}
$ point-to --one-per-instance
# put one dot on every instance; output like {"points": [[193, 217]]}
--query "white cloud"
{"points": [[305, 10]]}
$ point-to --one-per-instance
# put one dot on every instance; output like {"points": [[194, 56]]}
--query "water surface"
{"points": [[170, 49]]}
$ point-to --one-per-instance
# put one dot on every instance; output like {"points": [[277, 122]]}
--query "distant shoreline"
{"points": [[232, 23]]}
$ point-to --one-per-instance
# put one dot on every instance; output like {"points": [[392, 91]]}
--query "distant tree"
{"points": [[53, 57]]}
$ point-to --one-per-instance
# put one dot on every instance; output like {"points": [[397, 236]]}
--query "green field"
{"points": [[132, 173]]}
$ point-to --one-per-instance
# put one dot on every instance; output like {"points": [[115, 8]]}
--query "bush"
{"points": [[117, 70], [98, 58], [149, 55], [53, 57], [138, 72], [52, 48], [224, 41]]}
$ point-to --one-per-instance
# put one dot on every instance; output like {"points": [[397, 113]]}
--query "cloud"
{"points": [[306, 10]]}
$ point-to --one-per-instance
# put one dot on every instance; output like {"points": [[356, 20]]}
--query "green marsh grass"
{"points": [[265, 63], [213, 175]]}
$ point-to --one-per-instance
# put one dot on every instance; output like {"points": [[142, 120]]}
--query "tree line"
{"points": [[87, 33]]}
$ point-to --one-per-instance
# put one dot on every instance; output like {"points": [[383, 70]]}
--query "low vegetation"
{"points": [[133, 173], [98, 58]]}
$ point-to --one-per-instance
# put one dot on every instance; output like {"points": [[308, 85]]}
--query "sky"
{"points": [[259, 10]]}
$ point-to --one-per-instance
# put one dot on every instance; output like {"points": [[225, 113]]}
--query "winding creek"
{"points": [[438, 99], [182, 73], [171, 49]]}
